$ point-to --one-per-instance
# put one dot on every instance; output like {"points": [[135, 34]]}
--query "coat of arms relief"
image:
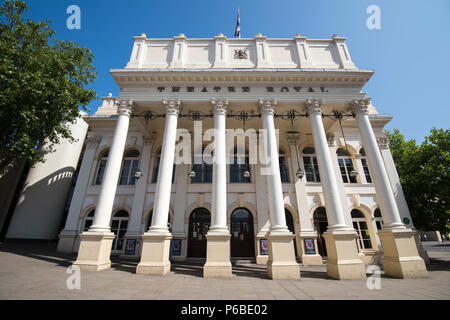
{"points": [[240, 54]]}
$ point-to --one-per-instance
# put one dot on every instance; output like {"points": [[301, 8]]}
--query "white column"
{"points": [[112, 171], [69, 233], [273, 179], [343, 261], [335, 213], [219, 178], [134, 225], [282, 263], [384, 194], [218, 263], [164, 183]]}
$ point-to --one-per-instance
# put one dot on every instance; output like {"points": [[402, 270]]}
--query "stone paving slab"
{"points": [[36, 271]]}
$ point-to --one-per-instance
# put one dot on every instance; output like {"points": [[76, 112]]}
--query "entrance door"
{"points": [[321, 225], [199, 222], [290, 225], [242, 238]]}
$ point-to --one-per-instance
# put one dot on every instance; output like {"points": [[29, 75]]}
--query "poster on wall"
{"points": [[309, 246], [130, 247], [176, 247], [264, 247]]}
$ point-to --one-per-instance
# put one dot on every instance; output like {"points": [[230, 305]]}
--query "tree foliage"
{"points": [[425, 176], [42, 85]]}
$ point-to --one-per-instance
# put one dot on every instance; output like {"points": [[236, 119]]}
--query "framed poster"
{"points": [[176, 247], [264, 247], [130, 247], [309, 246]]}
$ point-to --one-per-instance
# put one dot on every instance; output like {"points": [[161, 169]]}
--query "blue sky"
{"points": [[410, 53]]}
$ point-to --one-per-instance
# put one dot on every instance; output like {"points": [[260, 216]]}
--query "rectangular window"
{"points": [[284, 173], [366, 170], [311, 169], [237, 171]]}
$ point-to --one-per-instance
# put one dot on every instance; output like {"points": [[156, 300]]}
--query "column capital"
{"points": [[93, 142], [220, 106], [360, 106], [124, 106], [267, 106], [314, 106], [173, 106], [383, 142]]}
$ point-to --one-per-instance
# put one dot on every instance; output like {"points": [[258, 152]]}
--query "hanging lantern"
{"points": [[247, 174], [138, 173], [192, 174], [300, 174]]}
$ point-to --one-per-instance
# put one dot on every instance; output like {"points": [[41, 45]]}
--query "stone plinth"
{"points": [[282, 264], [218, 263], [95, 250], [155, 253]]}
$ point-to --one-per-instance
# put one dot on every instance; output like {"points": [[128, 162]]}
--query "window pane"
{"points": [[234, 173], [207, 173], [125, 172], [100, 172]]}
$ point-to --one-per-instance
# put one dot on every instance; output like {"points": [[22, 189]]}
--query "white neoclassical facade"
{"points": [[324, 184]]}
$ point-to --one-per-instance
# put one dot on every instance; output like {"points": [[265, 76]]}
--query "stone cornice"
{"points": [[356, 78]]}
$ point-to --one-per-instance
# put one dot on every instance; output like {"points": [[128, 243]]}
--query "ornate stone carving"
{"points": [[332, 140], [267, 106], [314, 106], [220, 106], [93, 142], [172, 106], [360, 106], [124, 106], [383, 142], [240, 54]]}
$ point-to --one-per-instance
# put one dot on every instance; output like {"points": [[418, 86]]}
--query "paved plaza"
{"points": [[36, 271]]}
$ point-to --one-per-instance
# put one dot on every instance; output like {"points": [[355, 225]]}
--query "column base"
{"points": [[343, 262], [218, 263], [401, 258], [66, 242], [95, 251], [309, 259], [282, 264], [155, 254]]}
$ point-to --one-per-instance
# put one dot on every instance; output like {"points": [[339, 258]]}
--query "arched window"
{"points": [[360, 225], [101, 167], [311, 165], [203, 171], [378, 219], [345, 165], [130, 165], [156, 169], [88, 220], [237, 170], [362, 153], [284, 172], [119, 226]]}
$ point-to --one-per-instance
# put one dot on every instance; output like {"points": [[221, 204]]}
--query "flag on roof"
{"points": [[237, 32]]}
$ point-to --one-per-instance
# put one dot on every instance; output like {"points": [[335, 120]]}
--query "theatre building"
{"points": [[311, 181]]}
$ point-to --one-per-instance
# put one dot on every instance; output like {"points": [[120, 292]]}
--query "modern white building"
{"points": [[324, 183]]}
